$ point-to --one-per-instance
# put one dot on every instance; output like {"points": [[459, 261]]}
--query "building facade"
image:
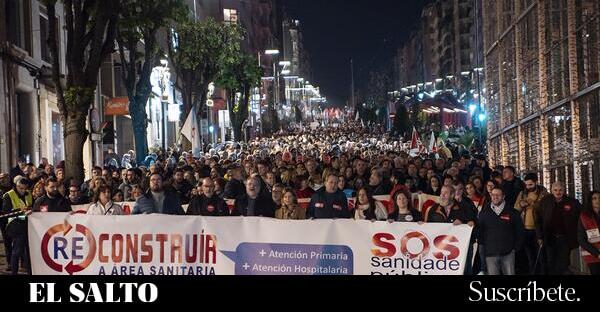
{"points": [[441, 61], [444, 48], [31, 122], [542, 68]]}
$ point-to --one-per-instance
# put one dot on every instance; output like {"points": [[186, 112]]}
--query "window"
{"points": [[230, 16], [511, 141], [508, 14], [493, 85], [533, 146], [589, 128], [559, 136], [588, 33], [557, 50], [529, 58], [496, 151], [509, 79], [45, 33], [491, 23], [19, 24]]}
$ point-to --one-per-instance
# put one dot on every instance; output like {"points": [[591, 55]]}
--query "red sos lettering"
{"points": [[444, 245]]}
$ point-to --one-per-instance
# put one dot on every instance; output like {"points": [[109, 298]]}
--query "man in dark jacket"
{"points": [[157, 200], [52, 201], [75, 197], [511, 185], [448, 210], [18, 170], [181, 186], [378, 185], [255, 202], [235, 187], [501, 232], [208, 203], [556, 228], [14, 231], [329, 202]]}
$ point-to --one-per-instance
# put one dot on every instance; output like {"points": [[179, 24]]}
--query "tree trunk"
{"points": [[75, 136], [139, 120]]}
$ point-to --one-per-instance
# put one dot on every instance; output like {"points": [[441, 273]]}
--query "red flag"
{"points": [[414, 142]]}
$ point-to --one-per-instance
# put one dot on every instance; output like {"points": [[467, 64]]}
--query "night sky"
{"points": [[337, 30]]}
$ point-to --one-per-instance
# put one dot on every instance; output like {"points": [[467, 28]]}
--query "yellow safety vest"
{"points": [[18, 203]]}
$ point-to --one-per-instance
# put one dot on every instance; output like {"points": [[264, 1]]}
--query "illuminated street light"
{"points": [[472, 108]]}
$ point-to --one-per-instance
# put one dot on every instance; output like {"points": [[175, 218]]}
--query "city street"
{"points": [[476, 118]]}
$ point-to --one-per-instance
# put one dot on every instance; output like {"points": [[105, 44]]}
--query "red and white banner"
{"points": [[80, 244]]}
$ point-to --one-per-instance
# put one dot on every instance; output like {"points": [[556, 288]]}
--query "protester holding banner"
{"points": [[588, 234], [256, 202], [52, 201], [103, 205], [501, 232], [208, 203], [290, 209], [367, 208], [403, 208], [329, 202], [157, 200], [448, 210]]}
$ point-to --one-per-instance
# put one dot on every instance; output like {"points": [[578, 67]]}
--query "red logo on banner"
{"points": [[56, 237]]}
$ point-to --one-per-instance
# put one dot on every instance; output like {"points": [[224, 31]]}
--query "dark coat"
{"points": [[171, 205], [56, 204], [324, 205], [234, 189], [500, 234], [263, 206], [204, 206], [570, 209]]}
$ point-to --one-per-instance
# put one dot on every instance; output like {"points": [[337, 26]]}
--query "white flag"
{"points": [[190, 131], [432, 147]]}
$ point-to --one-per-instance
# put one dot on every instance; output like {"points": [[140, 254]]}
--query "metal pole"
{"points": [[479, 95]]}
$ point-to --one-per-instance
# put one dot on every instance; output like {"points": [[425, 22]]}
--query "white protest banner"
{"points": [[187, 245]]}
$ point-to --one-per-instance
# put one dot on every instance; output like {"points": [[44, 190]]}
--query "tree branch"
{"points": [[70, 57], [53, 44], [126, 71]]}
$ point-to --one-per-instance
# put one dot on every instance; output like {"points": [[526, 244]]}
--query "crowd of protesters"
{"points": [[519, 227]]}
